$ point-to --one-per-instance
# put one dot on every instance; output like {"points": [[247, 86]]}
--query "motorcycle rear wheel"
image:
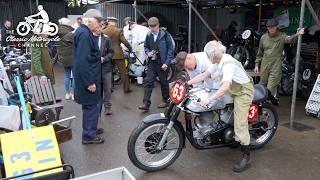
{"points": [[261, 138], [141, 146]]}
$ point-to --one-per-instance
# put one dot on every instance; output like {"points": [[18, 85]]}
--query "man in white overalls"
{"points": [[235, 81]]}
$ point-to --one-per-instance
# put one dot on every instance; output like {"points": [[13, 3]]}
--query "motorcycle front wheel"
{"points": [[268, 127], [143, 143]]}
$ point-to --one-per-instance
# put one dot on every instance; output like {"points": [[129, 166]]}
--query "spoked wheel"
{"points": [[242, 54], [268, 127], [143, 149]]}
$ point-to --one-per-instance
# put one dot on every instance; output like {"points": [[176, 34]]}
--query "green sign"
{"points": [[294, 16]]}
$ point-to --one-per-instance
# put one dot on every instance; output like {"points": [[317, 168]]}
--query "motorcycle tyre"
{"points": [[170, 75], [275, 127], [133, 138]]}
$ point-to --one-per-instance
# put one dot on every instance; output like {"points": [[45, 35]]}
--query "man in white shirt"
{"points": [[194, 64], [240, 86]]}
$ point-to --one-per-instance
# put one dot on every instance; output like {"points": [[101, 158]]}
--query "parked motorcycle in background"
{"points": [[158, 141], [245, 48], [306, 78], [17, 62]]}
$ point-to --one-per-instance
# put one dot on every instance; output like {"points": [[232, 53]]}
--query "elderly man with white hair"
{"points": [[87, 76], [235, 81]]}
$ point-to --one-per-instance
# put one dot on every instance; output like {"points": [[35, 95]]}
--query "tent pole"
{"points": [[204, 22], [313, 13], [294, 95], [138, 11], [135, 12], [189, 25], [260, 11]]}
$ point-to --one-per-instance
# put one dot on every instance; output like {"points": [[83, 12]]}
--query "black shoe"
{"points": [[100, 131], [274, 101], [97, 140], [245, 160], [144, 107]]}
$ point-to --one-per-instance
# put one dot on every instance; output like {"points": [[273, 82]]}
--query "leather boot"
{"points": [[245, 160]]}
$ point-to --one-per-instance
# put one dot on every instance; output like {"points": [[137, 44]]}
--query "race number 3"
{"points": [[253, 112]]}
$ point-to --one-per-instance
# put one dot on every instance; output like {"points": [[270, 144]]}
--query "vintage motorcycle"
{"points": [[245, 47], [158, 141]]}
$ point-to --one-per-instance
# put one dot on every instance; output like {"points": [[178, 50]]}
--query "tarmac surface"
{"points": [[289, 155]]}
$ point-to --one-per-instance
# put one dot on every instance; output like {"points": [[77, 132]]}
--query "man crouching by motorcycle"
{"points": [[235, 81]]}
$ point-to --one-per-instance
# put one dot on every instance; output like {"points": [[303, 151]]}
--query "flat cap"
{"points": [[127, 19], [153, 21], [272, 22], [112, 19]]}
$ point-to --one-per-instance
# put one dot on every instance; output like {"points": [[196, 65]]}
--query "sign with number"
{"points": [[30, 150], [253, 112], [177, 92]]}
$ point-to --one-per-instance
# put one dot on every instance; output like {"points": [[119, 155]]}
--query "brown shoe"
{"points": [[144, 107], [108, 111], [163, 105], [128, 91]]}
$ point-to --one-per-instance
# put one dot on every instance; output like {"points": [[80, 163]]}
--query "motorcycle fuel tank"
{"points": [[198, 94]]}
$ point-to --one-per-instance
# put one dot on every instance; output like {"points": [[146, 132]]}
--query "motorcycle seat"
{"points": [[260, 94]]}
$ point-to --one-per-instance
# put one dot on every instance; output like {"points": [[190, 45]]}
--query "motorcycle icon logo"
{"points": [[40, 25]]}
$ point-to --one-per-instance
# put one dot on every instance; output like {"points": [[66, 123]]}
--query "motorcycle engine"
{"points": [[208, 129]]}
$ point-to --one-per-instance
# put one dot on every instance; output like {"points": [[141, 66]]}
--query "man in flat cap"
{"points": [[116, 36], [87, 76], [126, 30], [269, 56], [160, 50]]}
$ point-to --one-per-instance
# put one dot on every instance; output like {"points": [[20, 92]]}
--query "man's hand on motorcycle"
{"points": [[205, 103], [164, 67]]}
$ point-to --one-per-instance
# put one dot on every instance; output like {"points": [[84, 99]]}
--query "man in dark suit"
{"points": [[104, 44], [159, 48], [87, 76], [116, 36]]}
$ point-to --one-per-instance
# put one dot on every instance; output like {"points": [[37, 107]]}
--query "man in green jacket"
{"points": [[269, 56]]}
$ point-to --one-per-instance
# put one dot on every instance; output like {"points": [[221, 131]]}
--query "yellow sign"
{"points": [[29, 151]]}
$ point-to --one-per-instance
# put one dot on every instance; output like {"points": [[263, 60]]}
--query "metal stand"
{"points": [[294, 95]]}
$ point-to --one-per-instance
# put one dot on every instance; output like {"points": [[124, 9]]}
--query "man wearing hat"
{"points": [[269, 56], [159, 49], [126, 30], [116, 36], [87, 76]]}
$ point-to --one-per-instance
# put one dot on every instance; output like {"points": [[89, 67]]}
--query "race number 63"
{"points": [[177, 92]]}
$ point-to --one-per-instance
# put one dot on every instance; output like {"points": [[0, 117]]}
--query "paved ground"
{"points": [[290, 154]]}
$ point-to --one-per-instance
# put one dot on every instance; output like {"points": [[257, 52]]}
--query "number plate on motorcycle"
{"points": [[253, 112], [177, 92]]}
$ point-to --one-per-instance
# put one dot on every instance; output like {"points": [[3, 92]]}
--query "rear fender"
{"points": [[161, 116]]}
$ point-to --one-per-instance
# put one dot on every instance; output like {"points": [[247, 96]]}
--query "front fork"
{"points": [[173, 118]]}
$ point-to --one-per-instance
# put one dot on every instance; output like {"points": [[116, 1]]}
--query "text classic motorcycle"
{"points": [[158, 141]]}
